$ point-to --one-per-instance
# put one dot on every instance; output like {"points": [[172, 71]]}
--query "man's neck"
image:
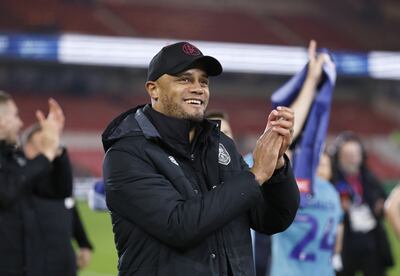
{"points": [[192, 132]]}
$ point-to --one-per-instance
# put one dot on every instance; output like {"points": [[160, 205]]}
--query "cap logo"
{"points": [[190, 50]]}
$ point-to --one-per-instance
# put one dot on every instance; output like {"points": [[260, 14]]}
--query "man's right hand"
{"points": [[51, 129], [265, 155]]}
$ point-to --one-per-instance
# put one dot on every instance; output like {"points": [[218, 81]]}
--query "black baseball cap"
{"points": [[181, 56]]}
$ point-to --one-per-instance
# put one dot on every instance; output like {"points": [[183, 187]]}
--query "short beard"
{"points": [[174, 110]]}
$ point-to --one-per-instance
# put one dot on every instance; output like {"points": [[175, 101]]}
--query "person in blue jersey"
{"points": [[308, 245]]}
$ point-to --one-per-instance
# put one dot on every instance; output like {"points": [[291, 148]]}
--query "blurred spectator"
{"points": [[224, 120], [392, 208], [365, 244], [21, 179], [58, 218], [307, 246], [97, 197]]}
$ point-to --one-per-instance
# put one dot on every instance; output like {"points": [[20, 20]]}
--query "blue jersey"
{"points": [[306, 247], [248, 158]]}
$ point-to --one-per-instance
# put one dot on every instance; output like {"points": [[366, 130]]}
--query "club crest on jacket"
{"points": [[223, 156]]}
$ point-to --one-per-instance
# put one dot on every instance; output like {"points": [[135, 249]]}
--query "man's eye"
{"points": [[184, 79]]}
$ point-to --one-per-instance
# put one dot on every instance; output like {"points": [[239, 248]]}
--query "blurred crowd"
{"points": [[338, 230]]}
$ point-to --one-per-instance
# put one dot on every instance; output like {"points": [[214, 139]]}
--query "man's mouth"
{"points": [[194, 101]]}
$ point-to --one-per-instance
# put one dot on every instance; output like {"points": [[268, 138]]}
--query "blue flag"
{"points": [[306, 153]]}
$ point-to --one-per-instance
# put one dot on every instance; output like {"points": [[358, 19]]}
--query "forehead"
{"points": [[8, 107], [193, 72], [351, 145]]}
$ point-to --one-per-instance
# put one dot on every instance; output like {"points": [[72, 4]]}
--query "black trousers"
{"points": [[361, 254], [262, 254]]}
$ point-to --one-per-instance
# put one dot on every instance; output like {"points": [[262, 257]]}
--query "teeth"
{"points": [[193, 102]]}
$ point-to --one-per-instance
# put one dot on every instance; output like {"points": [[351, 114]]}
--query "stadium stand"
{"points": [[310, 27], [51, 16], [191, 23], [257, 22]]}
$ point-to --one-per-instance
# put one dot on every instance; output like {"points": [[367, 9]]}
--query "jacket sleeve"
{"points": [[78, 230], [58, 183], [138, 193], [17, 181], [281, 200]]}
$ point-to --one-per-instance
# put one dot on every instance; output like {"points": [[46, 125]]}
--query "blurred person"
{"points": [[392, 210], [365, 245], [97, 196], [308, 245], [313, 243], [300, 94], [221, 116], [181, 198], [58, 218], [20, 235]]}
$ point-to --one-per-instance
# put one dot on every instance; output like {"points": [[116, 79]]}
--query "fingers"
{"points": [[321, 60], [317, 60], [282, 124], [40, 117], [285, 113], [280, 120], [273, 116], [282, 131], [281, 113], [312, 50], [53, 103], [54, 107], [56, 115]]}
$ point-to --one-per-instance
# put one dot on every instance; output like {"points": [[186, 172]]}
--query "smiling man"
{"points": [[182, 200]]}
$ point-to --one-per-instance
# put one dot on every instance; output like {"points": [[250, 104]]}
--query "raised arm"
{"points": [[303, 101]]}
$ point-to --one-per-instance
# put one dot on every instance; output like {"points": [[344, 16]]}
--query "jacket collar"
{"points": [[134, 122], [148, 129]]}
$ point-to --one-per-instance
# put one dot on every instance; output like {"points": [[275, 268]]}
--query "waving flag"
{"points": [[307, 149]]}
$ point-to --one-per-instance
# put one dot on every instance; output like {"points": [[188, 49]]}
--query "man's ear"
{"points": [[152, 90]]}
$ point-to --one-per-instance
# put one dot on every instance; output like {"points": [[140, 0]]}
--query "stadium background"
{"points": [[57, 48]]}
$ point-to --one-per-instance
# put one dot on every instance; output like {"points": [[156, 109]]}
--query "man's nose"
{"points": [[197, 88]]}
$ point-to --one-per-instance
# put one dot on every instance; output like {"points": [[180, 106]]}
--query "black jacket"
{"points": [[21, 237], [164, 223], [59, 222]]}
